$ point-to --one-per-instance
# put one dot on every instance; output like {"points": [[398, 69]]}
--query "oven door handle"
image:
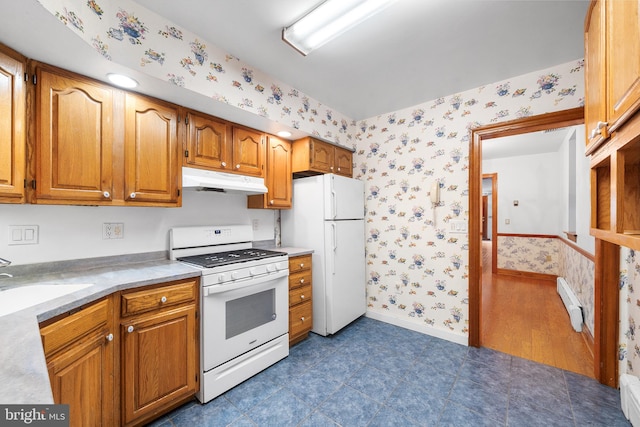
{"points": [[218, 289]]}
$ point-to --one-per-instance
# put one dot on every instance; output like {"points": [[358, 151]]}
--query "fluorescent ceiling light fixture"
{"points": [[284, 134], [122, 81], [329, 20]]}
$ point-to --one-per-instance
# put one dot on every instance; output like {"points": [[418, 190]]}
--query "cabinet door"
{"points": [[343, 162], [159, 361], [322, 156], [623, 60], [80, 358], [152, 167], [594, 42], [248, 151], [12, 128], [208, 142], [74, 139], [82, 377], [278, 173]]}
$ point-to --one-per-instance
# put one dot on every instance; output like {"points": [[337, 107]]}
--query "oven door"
{"points": [[241, 316]]}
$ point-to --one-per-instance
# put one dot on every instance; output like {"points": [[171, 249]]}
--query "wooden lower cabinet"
{"points": [[79, 349], [130, 376], [159, 360], [300, 292]]}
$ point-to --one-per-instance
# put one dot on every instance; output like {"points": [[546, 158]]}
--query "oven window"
{"points": [[249, 312]]}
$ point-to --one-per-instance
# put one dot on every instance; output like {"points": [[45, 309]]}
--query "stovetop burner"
{"points": [[230, 257]]}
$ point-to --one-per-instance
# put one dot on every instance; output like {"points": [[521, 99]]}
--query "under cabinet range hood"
{"points": [[206, 180]]}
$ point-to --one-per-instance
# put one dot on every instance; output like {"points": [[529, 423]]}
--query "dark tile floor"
{"points": [[375, 374]]}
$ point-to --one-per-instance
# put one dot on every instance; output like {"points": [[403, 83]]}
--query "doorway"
{"points": [[604, 363]]}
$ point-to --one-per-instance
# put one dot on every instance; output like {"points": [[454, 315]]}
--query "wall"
{"points": [[532, 180], [417, 270], [629, 347], [72, 232]]}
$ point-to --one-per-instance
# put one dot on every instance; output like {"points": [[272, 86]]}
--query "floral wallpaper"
{"points": [[629, 347], [579, 271], [417, 270], [532, 254], [126, 33]]}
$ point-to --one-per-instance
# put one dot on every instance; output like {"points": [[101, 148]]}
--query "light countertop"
{"points": [[23, 372]]}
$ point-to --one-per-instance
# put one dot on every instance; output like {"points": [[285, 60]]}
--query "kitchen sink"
{"points": [[21, 297]]}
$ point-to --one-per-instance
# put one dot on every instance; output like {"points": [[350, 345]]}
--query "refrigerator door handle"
{"points": [[335, 248], [334, 204]]}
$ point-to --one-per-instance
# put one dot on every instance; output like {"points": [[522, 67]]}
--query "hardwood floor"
{"points": [[526, 318]]}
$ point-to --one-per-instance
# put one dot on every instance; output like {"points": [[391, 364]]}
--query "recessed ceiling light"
{"points": [[284, 134], [122, 81]]}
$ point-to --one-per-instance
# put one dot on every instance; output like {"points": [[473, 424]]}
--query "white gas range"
{"points": [[244, 302]]}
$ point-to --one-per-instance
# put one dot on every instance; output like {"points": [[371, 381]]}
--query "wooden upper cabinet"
{"points": [[74, 139], [612, 69], [12, 126], [312, 157], [152, 163], [278, 177], [343, 162], [248, 151], [208, 143], [623, 60]]}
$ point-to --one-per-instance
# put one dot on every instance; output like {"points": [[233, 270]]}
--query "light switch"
{"points": [[23, 235]]}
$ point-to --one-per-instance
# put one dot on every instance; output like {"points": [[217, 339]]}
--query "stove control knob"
{"points": [[271, 268], [222, 277], [234, 275], [253, 271]]}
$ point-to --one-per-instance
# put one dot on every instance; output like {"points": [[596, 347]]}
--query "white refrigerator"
{"points": [[328, 217]]}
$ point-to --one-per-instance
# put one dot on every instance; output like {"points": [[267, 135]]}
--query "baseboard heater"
{"points": [[630, 398], [571, 303]]}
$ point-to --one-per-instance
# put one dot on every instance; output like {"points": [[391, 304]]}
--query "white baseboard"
{"points": [[419, 327]]}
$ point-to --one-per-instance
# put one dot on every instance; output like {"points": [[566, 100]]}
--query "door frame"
{"points": [[553, 120], [494, 220]]}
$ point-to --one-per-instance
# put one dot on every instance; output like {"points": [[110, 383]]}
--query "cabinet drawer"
{"points": [[299, 279], [156, 298], [300, 319], [68, 329], [299, 263], [300, 295]]}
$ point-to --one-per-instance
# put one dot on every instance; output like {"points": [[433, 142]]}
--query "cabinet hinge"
{"points": [[186, 120], [25, 183], [186, 153], [26, 77], [178, 118], [178, 192], [33, 184], [34, 79]]}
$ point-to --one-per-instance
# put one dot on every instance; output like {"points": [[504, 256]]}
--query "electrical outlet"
{"points": [[507, 221], [548, 258], [256, 224], [112, 230]]}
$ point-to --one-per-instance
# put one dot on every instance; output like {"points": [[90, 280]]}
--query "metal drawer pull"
{"points": [[130, 329], [163, 300], [110, 337], [301, 296]]}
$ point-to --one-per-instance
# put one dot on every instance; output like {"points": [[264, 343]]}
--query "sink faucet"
{"points": [[4, 263]]}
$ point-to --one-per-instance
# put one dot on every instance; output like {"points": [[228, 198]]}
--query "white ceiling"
{"points": [[526, 144], [412, 52]]}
